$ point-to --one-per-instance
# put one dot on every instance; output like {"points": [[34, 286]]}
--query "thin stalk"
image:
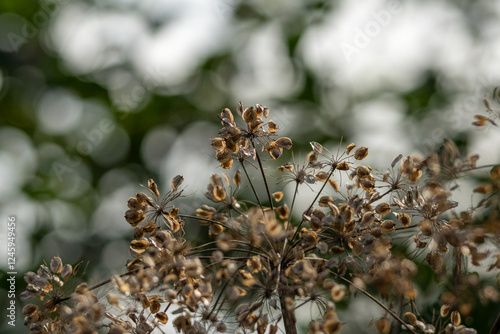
{"points": [[263, 175], [251, 185], [288, 221], [312, 204], [394, 315]]}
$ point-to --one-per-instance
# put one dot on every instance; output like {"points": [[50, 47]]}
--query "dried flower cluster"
{"points": [[266, 261]]}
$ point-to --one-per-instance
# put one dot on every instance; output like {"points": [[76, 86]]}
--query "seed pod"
{"points": [[383, 209], [66, 271], [317, 148], [56, 265], [284, 142], [154, 306], [325, 200], [343, 165], [350, 147], [278, 196], [366, 184], [134, 217], [338, 292], [161, 317], [411, 318], [249, 115], [361, 153], [362, 172], [227, 114], [227, 164], [334, 184], [153, 187], [445, 310], [383, 326], [237, 178], [272, 127], [176, 182], [368, 219], [455, 318], [322, 176], [388, 226], [29, 309], [404, 219], [283, 211]]}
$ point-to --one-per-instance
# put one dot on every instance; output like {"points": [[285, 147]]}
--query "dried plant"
{"points": [[366, 236]]}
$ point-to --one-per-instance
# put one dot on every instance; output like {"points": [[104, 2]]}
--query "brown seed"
{"points": [[56, 265], [445, 310], [227, 164], [404, 219], [133, 217], [334, 184], [338, 292], [388, 226], [383, 209], [237, 178], [283, 211], [383, 326], [176, 182], [272, 127], [227, 114], [325, 200], [368, 219], [249, 115], [455, 318], [350, 147], [161, 317], [343, 165], [153, 187], [278, 196], [411, 318], [322, 176], [361, 153], [66, 271], [362, 172]]}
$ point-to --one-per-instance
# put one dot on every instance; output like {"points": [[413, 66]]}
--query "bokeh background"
{"points": [[98, 96]]}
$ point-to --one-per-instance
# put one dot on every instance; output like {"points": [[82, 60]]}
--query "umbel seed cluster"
{"points": [[367, 234]]}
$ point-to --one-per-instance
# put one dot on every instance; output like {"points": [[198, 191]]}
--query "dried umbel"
{"points": [[366, 234]]}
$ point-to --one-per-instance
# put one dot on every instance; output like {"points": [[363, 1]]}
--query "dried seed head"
{"points": [[361, 153]]}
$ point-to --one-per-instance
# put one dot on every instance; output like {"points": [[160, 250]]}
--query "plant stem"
{"points": [[394, 315], [251, 185], [288, 316], [263, 175]]}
